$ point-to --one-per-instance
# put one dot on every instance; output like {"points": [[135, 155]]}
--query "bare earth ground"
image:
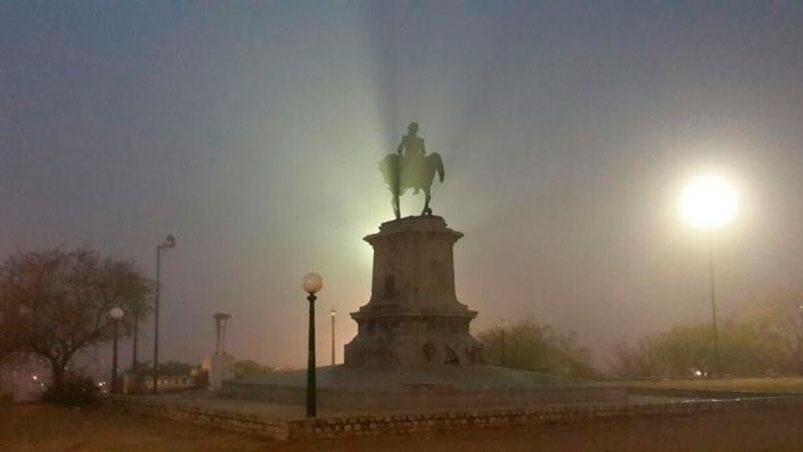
{"points": [[49, 428]]}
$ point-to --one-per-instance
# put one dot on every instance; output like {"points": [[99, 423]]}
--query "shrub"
{"points": [[532, 346], [75, 391], [685, 350]]}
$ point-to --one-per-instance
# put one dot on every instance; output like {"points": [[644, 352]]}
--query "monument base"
{"points": [[413, 319], [342, 388], [427, 340]]}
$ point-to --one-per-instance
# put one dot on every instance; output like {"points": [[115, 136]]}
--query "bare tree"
{"points": [[636, 360], [55, 303], [780, 318]]}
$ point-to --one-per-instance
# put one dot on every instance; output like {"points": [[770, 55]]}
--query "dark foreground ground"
{"points": [[49, 428]]}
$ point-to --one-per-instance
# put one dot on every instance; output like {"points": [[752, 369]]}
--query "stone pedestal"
{"points": [[220, 367], [413, 319]]}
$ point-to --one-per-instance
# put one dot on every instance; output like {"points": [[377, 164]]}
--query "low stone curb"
{"points": [[704, 393], [345, 426], [244, 423]]}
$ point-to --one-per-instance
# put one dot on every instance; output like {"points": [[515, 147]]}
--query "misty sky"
{"points": [[252, 131]]}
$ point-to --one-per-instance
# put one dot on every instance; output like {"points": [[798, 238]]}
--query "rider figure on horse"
{"points": [[411, 167], [412, 159]]}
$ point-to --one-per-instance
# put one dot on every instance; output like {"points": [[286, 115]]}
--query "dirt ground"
{"points": [[49, 428]]}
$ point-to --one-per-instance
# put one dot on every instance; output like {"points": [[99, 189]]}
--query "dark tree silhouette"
{"points": [[532, 346], [55, 303]]}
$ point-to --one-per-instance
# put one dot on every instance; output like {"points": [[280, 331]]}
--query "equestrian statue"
{"points": [[411, 167]]}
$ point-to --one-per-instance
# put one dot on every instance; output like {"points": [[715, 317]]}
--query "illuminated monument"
{"points": [[413, 349], [413, 319]]}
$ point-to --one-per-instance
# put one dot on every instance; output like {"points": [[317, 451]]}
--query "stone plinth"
{"points": [[413, 318], [342, 388]]}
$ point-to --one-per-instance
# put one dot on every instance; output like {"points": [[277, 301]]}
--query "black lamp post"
{"points": [[312, 283], [717, 368], [170, 242], [503, 360], [503, 331], [135, 341], [799, 327], [116, 314]]}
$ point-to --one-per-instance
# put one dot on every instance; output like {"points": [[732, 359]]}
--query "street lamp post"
{"points": [[799, 329], [709, 202], [333, 313], [116, 314], [312, 283], [503, 357], [717, 358], [503, 334], [135, 341], [170, 242]]}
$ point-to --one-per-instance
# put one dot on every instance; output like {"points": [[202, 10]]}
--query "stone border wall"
{"points": [[335, 427], [343, 400], [238, 422]]}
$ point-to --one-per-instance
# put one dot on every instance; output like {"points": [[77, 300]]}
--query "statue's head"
{"points": [[412, 129]]}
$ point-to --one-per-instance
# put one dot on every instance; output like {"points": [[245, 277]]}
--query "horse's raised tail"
{"points": [[441, 170]]}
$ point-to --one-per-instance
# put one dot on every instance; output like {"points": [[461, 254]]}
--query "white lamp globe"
{"points": [[708, 202], [116, 313], [312, 283]]}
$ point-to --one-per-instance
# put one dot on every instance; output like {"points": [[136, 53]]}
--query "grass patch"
{"points": [[779, 385]]}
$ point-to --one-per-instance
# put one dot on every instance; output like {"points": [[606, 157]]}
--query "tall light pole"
{"points": [[333, 313], [717, 358], [312, 283], [799, 329], [503, 358], [709, 202], [135, 340], [503, 332], [115, 314], [169, 243]]}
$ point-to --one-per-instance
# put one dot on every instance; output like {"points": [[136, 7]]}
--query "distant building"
{"points": [[167, 380]]}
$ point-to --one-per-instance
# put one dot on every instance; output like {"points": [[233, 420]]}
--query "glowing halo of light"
{"points": [[708, 202]]}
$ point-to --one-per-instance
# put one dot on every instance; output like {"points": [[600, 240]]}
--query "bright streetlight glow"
{"points": [[708, 202]]}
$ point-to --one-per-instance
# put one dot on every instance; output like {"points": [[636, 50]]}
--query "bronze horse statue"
{"points": [[410, 167]]}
